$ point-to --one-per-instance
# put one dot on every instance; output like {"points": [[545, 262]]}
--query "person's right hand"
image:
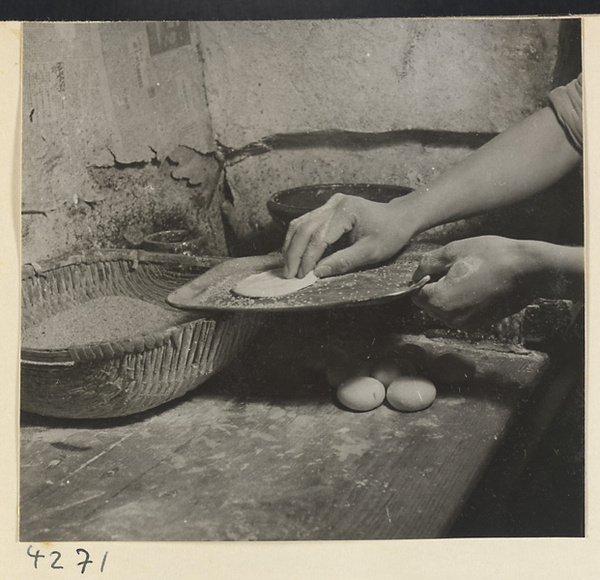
{"points": [[376, 231]]}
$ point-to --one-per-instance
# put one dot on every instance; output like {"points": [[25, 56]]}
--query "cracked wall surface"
{"points": [[130, 128], [104, 105]]}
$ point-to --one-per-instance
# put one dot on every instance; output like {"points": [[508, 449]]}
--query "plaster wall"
{"points": [[255, 107], [104, 104], [383, 101], [374, 76]]}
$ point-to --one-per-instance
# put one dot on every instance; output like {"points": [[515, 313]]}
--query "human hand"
{"points": [[483, 280], [376, 232]]}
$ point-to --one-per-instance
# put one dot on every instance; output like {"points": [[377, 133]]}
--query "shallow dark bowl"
{"points": [[286, 205], [171, 242]]}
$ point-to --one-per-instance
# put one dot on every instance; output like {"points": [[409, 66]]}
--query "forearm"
{"points": [[554, 271], [516, 164]]}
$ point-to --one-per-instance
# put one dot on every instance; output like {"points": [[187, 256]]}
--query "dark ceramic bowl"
{"points": [[286, 205], [171, 242]]}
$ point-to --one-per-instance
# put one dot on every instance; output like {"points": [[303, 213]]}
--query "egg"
{"points": [[452, 368], [389, 369], [411, 394], [361, 393]]}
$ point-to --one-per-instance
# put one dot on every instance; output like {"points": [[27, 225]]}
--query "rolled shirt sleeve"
{"points": [[567, 106]]}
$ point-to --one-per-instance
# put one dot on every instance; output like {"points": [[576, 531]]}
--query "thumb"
{"points": [[346, 260], [423, 298], [435, 264]]}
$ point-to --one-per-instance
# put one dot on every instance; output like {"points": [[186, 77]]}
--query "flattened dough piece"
{"points": [[272, 283]]}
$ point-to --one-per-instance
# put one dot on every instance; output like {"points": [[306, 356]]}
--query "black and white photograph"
{"points": [[302, 280]]}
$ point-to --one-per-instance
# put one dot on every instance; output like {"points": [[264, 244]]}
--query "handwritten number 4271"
{"points": [[54, 558]]}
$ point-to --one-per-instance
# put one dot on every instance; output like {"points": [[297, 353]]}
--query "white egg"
{"points": [[411, 394], [361, 393], [388, 370]]}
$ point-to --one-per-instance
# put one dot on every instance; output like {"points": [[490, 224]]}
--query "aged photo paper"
{"points": [[415, 559]]}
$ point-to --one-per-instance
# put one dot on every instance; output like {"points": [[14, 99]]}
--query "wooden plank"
{"points": [[261, 452]]}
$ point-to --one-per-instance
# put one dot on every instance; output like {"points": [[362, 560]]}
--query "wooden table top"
{"points": [[261, 452]]}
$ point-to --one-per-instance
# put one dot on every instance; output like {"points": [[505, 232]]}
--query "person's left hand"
{"points": [[483, 280]]}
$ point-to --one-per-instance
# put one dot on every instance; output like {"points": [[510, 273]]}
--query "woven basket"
{"points": [[121, 377]]}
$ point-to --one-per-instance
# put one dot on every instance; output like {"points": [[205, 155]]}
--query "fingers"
{"points": [[298, 236], [309, 236], [346, 260], [435, 264], [438, 300], [457, 299], [321, 239], [423, 298]]}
